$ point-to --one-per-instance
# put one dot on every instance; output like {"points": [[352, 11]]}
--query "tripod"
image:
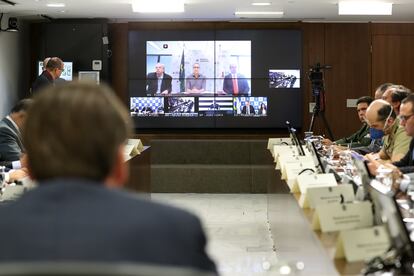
{"points": [[319, 110]]}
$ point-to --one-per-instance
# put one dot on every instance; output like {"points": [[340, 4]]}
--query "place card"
{"points": [[291, 172], [362, 244], [337, 217], [278, 141], [284, 159], [278, 149], [326, 195]]}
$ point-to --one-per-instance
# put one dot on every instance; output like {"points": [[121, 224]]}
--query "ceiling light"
{"points": [[158, 6], [255, 14], [56, 5], [261, 4], [364, 8]]}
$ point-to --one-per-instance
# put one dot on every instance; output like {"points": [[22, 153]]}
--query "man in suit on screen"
{"points": [[159, 82], [235, 83], [78, 212], [248, 109]]}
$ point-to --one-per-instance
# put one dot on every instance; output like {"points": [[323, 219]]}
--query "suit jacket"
{"points": [[152, 83], [241, 83], [81, 220], [11, 146], [42, 81], [406, 164], [251, 109], [358, 139]]}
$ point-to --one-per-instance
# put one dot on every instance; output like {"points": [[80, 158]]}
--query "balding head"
{"points": [[380, 115]]}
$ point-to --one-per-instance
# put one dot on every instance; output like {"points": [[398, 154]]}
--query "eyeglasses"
{"points": [[405, 118]]}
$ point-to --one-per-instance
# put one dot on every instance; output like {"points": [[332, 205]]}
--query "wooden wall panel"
{"points": [[347, 50], [393, 59]]}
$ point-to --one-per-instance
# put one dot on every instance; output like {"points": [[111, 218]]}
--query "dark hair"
{"points": [[399, 93], [22, 105], [54, 63], [409, 99], [383, 87], [82, 136], [365, 99], [384, 111]]}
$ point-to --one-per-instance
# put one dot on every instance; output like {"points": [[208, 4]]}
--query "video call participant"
{"points": [[196, 82], [361, 138], [262, 109], [248, 109], [235, 83], [54, 68], [159, 82], [381, 116], [77, 212]]}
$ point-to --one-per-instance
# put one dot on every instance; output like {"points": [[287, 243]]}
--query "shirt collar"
{"points": [[11, 120]]}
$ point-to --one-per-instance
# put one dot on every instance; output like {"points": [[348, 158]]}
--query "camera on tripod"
{"points": [[316, 77]]}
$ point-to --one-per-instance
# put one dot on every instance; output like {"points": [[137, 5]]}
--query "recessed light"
{"points": [[261, 4], [263, 14], [364, 8], [56, 5]]}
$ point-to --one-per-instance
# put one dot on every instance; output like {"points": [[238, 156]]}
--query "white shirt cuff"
{"points": [[6, 177], [16, 165]]}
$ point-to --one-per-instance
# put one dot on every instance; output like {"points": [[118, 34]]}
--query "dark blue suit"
{"points": [[11, 146], [72, 219]]}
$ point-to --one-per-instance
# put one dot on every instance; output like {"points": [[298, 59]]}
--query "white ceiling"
{"points": [[204, 10]]}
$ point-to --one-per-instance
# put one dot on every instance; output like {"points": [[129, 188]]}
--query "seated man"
{"points": [[381, 90], [76, 213], [381, 116], [196, 82], [394, 96], [361, 138], [159, 82]]}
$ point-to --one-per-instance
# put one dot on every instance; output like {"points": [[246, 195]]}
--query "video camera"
{"points": [[316, 77]]}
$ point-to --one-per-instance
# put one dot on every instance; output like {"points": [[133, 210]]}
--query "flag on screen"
{"points": [[182, 74]]}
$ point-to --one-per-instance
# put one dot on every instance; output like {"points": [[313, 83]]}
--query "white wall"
{"points": [[12, 70]]}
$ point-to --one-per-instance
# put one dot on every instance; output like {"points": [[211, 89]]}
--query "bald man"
{"points": [[159, 82], [382, 118]]}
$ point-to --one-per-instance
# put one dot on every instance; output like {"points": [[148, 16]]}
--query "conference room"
{"points": [[206, 124]]}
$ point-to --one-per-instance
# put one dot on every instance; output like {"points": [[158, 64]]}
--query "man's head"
{"points": [[406, 115], [196, 69], [362, 105], [77, 130], [159, 69], [55, 67], [19, 112], [381, 89], [233, 68], [394, 95], [381, 116]]}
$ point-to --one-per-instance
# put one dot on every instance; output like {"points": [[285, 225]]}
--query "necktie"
{"points": [[248, 110], [235, 86]]}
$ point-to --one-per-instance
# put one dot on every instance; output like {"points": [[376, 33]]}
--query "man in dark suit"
{"points": [[54, 69], [11, 145], [235, 83], [158, 82], [76, 213], [248, 109]]}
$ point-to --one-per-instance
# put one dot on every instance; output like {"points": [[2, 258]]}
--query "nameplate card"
{"points": [[279, 149], [327, 195], [292, 171], [278, 141], [337, 217], [12, 192], [362, 244], [316, 180], [288, 159]]}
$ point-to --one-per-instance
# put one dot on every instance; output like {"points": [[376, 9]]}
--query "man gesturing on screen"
{"points": [[158, 82], [235, 83]]}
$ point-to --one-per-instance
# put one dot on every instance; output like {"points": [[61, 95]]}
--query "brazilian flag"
{"points": [[182, 74]]}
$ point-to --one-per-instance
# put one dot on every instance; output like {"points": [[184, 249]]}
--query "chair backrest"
{"points": [[95, 269]]}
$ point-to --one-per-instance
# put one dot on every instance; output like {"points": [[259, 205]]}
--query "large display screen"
{"points": [[215, 79]]}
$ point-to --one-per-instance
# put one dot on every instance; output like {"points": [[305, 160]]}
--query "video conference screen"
{"points": [[215, 79]]}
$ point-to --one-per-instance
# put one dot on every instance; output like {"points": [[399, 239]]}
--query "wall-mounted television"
{"points": [[215, 78]]}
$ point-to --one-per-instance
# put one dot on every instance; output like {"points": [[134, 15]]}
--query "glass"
{"points": [[384, 175], [405, 118]]}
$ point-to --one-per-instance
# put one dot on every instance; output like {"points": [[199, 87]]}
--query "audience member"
{"points": [[76, 214], [381, 117], [159, 82], [381, 89], [394, 95], [361, 138], [235, 83], [196, 82], [54, 68]]}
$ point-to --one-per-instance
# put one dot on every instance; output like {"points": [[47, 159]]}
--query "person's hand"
{"points": [[18, 174], [23, 160], [327, 142]]}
